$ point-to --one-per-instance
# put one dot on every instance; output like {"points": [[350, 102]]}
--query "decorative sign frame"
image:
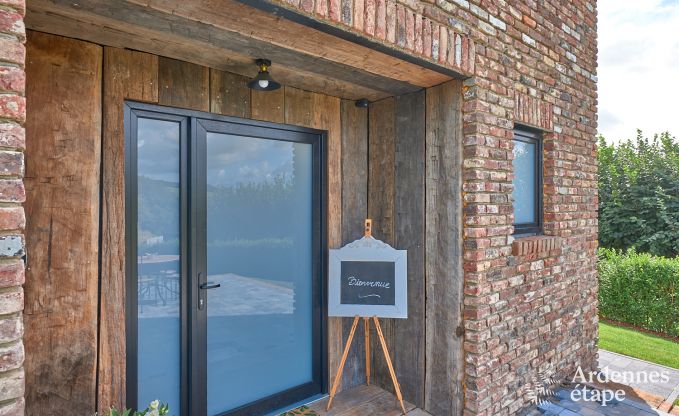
{"points": [[368, 278]]}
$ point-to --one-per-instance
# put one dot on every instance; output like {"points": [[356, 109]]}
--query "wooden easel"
{"points": [[366, 327]]}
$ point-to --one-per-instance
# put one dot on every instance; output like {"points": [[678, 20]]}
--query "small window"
{"points": [[527, 194]]}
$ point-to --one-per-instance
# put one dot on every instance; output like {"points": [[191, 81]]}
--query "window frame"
{"points": [[528, 135]]}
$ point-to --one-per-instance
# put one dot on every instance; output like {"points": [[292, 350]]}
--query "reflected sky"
{"points": [[240, 160]]}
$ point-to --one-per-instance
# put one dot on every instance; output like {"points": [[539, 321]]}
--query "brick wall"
{"points": [[530, 305], [12, 195]]}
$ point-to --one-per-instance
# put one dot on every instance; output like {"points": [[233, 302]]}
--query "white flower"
{"points": [[154, 404]]}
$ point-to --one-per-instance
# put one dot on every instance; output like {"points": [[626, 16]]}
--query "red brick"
{"points": [[11, 356], [11, 328], [11, 273], [322, 7], [401, 25], [12, 190], [13, 107], [12, 22], [11, 163], [12, 218], [307, 5], [334, 11], [18, 5], [443, 44], [418, 34], [12, 135], [529, 21], [391, 21], [370, 17], [410, 30], [359, 14], [13, 407], [12, 301], [12, 51], [13, 387], [426, 38], [12, 79], [381, 19]]}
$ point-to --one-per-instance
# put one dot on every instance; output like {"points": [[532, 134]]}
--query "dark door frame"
{"points": [[194, 126]]}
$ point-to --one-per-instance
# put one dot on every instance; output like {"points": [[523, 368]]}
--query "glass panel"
{"points": [[259, 242], [524, 182], [158, 262]]}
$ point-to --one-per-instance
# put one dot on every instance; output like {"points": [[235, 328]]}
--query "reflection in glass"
{"points": [[525, 177], [259, 200], [158, 262]]}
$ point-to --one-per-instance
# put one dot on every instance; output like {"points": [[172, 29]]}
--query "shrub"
{"points": [[155, 409], [639, 195], [639, 289]]}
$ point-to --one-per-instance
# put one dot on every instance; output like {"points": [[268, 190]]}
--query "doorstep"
{"points": [[361, 401]]}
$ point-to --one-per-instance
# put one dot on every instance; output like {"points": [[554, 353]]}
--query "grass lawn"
{"points": [[638, 345]]}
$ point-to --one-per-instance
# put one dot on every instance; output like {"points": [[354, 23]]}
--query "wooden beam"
{"points": [[443, 244], [354, 211], [123, 24], [271, 29], [63, 151], [127, 75], [408, 334], [381, 184]]}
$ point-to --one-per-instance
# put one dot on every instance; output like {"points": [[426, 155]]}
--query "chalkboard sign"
{"points": [[368, 278]]}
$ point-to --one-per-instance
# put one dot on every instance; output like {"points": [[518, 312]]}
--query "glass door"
{"points": [[229, 247]]}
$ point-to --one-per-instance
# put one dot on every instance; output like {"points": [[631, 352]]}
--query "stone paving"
{"points": [[641, 399]]}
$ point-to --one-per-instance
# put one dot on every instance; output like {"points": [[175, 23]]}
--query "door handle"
{"points": [[210, 285], [204, 285]]}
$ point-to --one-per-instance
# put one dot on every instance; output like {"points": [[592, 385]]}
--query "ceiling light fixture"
{"points": [[263, 80]]}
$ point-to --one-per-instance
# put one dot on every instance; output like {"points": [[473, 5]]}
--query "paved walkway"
{"points": [[641, 398], [667, 389]]}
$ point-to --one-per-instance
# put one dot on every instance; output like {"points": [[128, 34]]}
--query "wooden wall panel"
{"points": [[354, 212], [396, 205], [63, 129], [381, 183], [409, 334], [445, 362], [183, 84], [268, 105], [127, 75], [229, 94]]}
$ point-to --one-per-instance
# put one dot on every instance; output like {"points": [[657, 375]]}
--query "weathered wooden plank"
{"points": [[298, 107], [443, 245], [268, 105], [62, 183], [354, 211], [192, 41], [354, 170], [325, 115], [131, 75], [409, 350], [381, 183], [229, 94], [271, 29], [183, 84]]}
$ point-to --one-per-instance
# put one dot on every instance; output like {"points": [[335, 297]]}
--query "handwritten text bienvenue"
{"points": [[355, 281]]}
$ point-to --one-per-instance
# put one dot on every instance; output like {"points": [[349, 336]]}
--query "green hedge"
{"points": [[639, 289]]}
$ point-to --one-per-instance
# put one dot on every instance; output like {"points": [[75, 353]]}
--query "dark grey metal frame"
{"points": [[532, 136], [194, 126]]}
